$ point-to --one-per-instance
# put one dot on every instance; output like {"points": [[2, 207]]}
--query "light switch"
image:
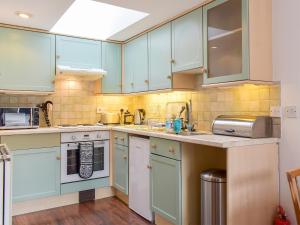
{"points": [[291, 112]]}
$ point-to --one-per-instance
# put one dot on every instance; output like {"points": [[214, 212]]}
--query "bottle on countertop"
{"points": [[122, 116]]}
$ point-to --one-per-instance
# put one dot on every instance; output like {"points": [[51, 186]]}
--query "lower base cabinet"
{"points": [[166, 179], [166, 188], [120, 180], [36, 173]]}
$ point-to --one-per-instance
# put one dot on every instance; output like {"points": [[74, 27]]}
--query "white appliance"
{"points": [[66, 72], [70, 154], [139, 177], [5, 186]]}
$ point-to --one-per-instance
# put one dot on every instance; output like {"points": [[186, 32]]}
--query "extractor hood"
{"points": [[67, 72]]}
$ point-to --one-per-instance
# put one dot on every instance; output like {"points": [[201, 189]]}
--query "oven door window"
{"points": [[73, 161], [98, 158]]}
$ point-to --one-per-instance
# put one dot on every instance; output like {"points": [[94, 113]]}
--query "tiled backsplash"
{"points": [[211, 102], [75, 102]]}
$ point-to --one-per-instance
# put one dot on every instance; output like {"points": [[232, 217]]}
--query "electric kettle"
{"points": [[139, 116]]}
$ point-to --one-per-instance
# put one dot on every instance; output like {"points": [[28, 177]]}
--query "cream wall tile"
{"points": [[75, 102]]}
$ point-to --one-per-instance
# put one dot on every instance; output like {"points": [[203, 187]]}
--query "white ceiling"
{"points": [[46, 13]]}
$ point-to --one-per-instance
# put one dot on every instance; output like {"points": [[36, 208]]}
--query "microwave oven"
{"points": [[19, 117]]}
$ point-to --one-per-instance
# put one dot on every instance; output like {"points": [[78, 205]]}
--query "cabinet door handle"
{"points": [[172, 60], [149, 167], [116, 138], [58, 158], [169, 77], [146, 81], [203, 70], [153, 146], [122, 139], [57, 56], [124, 157], [172, 150], [131, 83]]}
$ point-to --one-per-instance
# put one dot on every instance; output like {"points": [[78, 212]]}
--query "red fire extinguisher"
{"points": [[281, 218]]}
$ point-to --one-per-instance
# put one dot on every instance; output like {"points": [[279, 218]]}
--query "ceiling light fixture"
{"points": [[96, 20], [23, 15]]}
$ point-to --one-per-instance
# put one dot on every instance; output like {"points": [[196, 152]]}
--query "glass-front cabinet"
{"points": [[226, 48]]}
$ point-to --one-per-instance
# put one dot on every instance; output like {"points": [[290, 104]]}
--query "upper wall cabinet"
{"points": [[27, 60], [237, 41], [226, 41], [112, 64], [77, 52], [187, 51], [136, 65], [160, 75], [128, 68]]}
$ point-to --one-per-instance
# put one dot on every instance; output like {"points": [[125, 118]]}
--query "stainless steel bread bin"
{"points": [[243, 126]]}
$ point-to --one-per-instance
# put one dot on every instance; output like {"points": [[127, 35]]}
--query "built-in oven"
{"points": [[70, 162]]}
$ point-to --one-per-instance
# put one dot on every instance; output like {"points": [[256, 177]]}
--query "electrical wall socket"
{"points": [[275, 111], [290, 112], [99, 110]]}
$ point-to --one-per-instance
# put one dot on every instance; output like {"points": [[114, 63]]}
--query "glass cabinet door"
{"points": [[226, 41]]}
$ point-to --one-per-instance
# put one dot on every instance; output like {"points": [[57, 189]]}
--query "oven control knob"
{"points": [[73, 137]]}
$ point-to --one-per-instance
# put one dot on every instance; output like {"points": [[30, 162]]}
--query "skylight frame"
{"points": [[95, 20]]}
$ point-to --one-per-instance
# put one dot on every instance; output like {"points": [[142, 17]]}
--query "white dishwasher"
{"points": [[139, 177]]}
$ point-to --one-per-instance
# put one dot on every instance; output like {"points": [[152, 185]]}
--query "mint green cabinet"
{"points": [[121, 138], [36, 173], [120, 180], [187, 46], [112, 64], [165, 180], [78, 52], [27, 60], [128, 68], [136, 65], [226, 48], [164, 147], [160, 58]]}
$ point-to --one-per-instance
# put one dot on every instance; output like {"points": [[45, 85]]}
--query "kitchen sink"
{"points": [[162, 129], [193, 133]]}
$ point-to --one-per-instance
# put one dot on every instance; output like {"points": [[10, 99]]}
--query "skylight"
{"points": [[96, 20]]}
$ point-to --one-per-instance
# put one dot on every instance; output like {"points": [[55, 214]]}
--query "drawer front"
{"points": [[84, 185], [31, 141], [167, 148], [120, 138]]}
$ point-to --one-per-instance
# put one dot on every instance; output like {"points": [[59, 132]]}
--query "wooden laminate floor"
{"points": [[108, 211]]}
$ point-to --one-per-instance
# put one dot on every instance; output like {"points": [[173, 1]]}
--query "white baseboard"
{"points": [[55, 201]]}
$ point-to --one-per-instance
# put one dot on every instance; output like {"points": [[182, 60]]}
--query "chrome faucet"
{"points": [[188, 116]]}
